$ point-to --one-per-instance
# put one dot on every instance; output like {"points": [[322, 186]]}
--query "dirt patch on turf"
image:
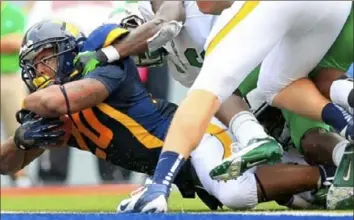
{"points": [[69, 190]]}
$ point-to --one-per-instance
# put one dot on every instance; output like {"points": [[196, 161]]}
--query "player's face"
{"points": [[45, 63]]}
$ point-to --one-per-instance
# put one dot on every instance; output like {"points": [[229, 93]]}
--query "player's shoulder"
{"points": [[117, 69], [103, 36], [108, 69]]}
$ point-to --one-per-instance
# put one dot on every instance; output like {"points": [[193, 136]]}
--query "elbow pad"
{"points": [[168, 31]]}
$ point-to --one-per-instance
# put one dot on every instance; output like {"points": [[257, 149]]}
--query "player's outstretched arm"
{"points": [[81, 94], [213, 7], [139, 40], [12, 159], [149, 36]]}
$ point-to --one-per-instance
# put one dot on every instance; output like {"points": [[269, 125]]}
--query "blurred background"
{"points": [[63, 166]]}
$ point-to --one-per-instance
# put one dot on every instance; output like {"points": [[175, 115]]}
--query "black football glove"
{"points": [[24, 115], [38, 132]]}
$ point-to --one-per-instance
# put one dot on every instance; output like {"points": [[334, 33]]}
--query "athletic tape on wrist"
{"points": [[111, 53]]}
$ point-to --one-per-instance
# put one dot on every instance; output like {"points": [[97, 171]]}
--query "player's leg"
{"points": [[330, 148], [336, 86], [279, 183], [267, 183], [303, 133], [306, 100], [322, 109], [290, 60], [227, 37], [329, 75], [235, 112], [334, 116], [320, 146], [270, 22]]}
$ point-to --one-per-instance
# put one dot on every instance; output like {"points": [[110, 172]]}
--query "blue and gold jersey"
{"points": [[129, 127]]}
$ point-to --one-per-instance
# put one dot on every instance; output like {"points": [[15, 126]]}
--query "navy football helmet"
{"points": [[64, 39]]}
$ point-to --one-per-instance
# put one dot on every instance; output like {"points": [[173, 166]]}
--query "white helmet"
{"points": [[130, 18]]}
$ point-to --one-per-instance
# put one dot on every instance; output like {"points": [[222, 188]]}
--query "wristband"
{"points": [[111, 53]]}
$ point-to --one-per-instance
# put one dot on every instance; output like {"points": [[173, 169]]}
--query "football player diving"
{"points": [[109, 113], [160, 19]]}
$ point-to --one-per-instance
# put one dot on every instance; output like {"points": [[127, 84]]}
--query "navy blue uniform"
{"points": [[129, 127]]}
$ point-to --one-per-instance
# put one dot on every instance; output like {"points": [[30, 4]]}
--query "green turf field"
{"points": [[91, 203], [99, 203]]}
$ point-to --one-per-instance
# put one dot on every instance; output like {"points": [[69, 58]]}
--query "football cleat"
{"points": [[152, 198], [341, 192], [258, 152]]}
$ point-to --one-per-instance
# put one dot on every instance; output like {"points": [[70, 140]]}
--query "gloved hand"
{"points": [[86, 62], [36, 132]]}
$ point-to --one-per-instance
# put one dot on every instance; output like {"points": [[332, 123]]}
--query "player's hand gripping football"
{"points": [[36, 131], [86, 62]]}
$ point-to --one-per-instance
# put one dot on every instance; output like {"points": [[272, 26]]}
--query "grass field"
{"points": [[102, 198], [99, 202], [90, 199]]}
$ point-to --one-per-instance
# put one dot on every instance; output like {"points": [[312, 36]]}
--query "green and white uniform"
{"points": [[186, 56], [340, 57], [185, 51]]}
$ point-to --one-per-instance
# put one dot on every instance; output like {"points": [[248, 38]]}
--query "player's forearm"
{"points": [[136, 42], [11, 43], [45, 103], [11, 158], [81, 94], [190, 122], [213, 7]]}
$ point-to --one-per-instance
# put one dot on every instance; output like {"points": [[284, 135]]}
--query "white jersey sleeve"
{"points": [[186, 51], [145, 9]]}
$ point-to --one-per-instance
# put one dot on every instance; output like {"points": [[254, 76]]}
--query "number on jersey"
{"points": [[194, 59]]}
